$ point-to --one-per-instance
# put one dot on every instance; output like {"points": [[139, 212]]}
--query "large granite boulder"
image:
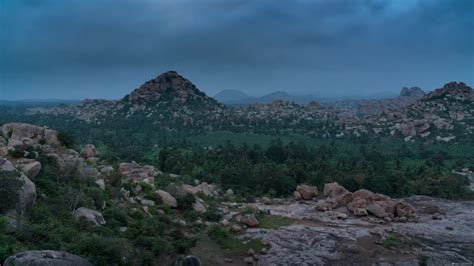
{"points": [[89, 215], [31, 168], [45, 258], [307, 192], [167, 198]]}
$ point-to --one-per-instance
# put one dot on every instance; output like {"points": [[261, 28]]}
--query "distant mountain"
{"points": [[38, 102], [266, 99], [229, 96]]}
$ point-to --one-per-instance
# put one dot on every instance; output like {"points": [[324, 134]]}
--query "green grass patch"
{"points": [[231, 245], [273, 222], [391, 241]]}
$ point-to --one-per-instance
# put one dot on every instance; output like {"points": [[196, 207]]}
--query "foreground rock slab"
{"points": [[317, 238], [46, 257]]}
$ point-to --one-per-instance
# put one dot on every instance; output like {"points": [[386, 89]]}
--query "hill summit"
{"points": [[168, 86]]}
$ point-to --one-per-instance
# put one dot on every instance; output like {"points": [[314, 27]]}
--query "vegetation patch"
{"points": [[273, 221], [391, 241]]}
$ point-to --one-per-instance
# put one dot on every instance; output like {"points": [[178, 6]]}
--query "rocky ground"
{"points": [[443, 234]]}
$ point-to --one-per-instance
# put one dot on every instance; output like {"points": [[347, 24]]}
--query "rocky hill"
{"points": [[171, 103]]}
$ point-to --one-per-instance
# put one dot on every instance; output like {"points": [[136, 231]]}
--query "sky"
{"points": [[76, 49]]}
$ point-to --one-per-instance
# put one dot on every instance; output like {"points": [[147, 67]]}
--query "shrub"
{"points": [[9, 186], [66, 139]]}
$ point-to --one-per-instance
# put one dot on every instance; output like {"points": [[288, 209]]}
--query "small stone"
{"points": [[227, 260], [248, 260], [263, 251], [250, 252], [236, 228]]}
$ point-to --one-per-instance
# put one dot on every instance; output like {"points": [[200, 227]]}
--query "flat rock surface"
{"points": [[319, 238]]}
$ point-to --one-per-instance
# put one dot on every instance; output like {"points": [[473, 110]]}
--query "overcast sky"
{"points": [[74, 49]]}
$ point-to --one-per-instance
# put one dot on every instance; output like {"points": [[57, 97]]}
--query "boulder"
{"points": [[148, 203], [6, 165], [188, 261], [323, 205], [334, 190], [26, 195], [250, 220], [297, 195], [167, 199], [100, 183], [365, 194], [89, 215], [307, 192], [27, 191], [357, 203], [199, 207], [46, 257], [360, 212], [376, 210], [88, 151], [229, 192], [344, 199], [32, 169], [206, 189], [106, 169]]}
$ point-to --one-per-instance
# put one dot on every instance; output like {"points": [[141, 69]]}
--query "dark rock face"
{"points": [[412, 92], [168, 86], [454, 90], [45, 257]]}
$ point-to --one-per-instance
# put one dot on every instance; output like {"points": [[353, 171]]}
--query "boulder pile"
{"points": [[359, 203]]}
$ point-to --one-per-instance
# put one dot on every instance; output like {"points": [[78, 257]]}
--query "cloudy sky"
{"points": [[73, 49]]}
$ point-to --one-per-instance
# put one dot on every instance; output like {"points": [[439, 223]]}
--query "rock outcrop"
{"points": [[19, 134], [45, 257], [138, 173]]}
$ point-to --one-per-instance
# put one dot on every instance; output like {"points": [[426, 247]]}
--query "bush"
{"points": [[9, 186], [66, 139]]}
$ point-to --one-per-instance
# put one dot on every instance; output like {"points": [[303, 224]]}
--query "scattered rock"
{"points": [[167, 199], [148, 203], [250, 220], [248, 260], [250, 252], [236, 228], [360, 212], [100, 183], [199, 207], [89, 215], [437, 216], [229, 192]]}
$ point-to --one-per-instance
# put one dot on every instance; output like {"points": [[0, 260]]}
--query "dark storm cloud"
{"points": [[104, 48]]}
